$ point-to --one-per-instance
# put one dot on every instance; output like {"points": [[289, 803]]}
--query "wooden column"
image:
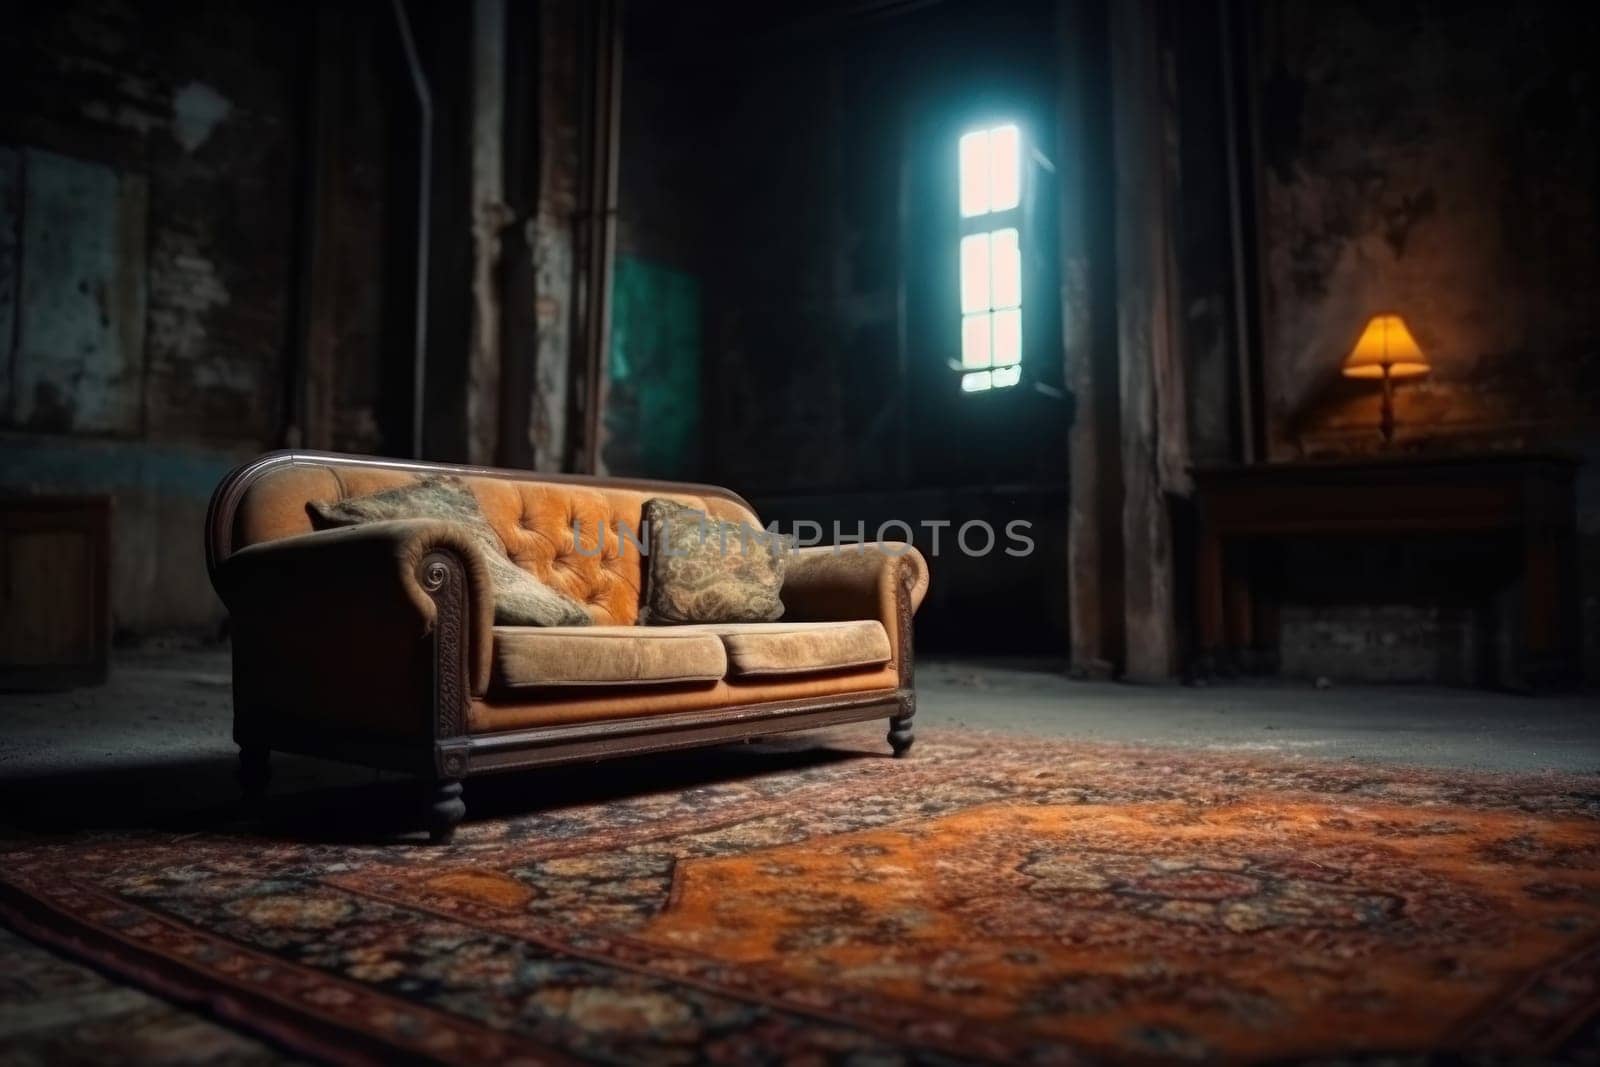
{"points": [[519, 288], [1154, 438], [490, 215], [595, 244], [1089, 353]]}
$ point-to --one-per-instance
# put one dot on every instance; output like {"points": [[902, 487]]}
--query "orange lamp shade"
{"points": [[1386, 344]]}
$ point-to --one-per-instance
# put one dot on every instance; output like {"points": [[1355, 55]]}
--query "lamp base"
{"points": [[1386, 420]]}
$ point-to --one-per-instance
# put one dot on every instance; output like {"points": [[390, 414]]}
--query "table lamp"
{"points": [[1387, 351]]}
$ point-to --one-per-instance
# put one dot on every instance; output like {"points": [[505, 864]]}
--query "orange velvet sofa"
{"points": [[376, 644]]}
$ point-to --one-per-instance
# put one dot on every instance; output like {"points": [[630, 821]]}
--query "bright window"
{"points": [[991, 258]]}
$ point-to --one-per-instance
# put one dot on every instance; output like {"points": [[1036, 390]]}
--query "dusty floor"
{"points": [[1421, 725], [153, 746], [170, 709]]}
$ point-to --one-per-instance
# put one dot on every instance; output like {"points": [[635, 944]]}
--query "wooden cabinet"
{"points": [[55, 614], [1529, 498]]}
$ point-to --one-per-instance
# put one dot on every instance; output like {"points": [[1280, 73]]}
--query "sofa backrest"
{"points": [[534, 515]]}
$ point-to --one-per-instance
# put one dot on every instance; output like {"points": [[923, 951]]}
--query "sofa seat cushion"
{"points": [[560, 656], [761, 649]]}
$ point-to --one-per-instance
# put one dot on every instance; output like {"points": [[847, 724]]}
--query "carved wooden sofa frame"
{"points": [[453, 753]]}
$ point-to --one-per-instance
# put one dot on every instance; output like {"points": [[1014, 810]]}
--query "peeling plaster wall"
{"points": [[145, 219], [1442, 161], [76, 356]]}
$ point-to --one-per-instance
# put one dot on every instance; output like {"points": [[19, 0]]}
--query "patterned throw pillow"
{"points": [[705, 570], [520, 599]]}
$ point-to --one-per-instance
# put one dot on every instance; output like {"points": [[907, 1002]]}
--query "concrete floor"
{"points": [[172, 709], [1420, 725]]}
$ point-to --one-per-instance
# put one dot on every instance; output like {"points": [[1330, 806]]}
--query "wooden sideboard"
{"points": [[55, 613], [1526, 497]]}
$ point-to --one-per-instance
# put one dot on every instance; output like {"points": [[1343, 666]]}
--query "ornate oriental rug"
{"points": [[990, 899]]}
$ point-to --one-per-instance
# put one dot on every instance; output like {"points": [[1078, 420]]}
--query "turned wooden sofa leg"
{"points": [[901, 736], [255, 770], [445, 809]]}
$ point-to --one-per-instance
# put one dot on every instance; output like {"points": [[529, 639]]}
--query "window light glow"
{"points": [[991, 170], [1005, 168], [976, 332], [990, 258], [978, 381], [975, 273], [1007, 343], [991, 295], [1005, 258], [975, 174]]}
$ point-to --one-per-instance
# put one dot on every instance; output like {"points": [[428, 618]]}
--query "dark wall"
{"points": [[654, 383], [1434, 158], [1442, 161], [147, 169], [833, 310], [177, 118], [359, 220], [1205, 58], [208, 248], [801, 171]]}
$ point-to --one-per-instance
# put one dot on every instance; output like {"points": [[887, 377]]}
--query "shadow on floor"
{"points": [[316, 801]]}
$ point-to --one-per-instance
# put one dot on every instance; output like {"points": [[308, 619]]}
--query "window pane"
{"points": [[1007, 376], [975, 382], [1006, 266], [975, 169], [975, 273], [1005, 168], [975, 330], [1008, 336]]}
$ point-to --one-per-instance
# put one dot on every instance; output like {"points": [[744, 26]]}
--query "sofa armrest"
{"points": [[877, 580], [339, 624]]}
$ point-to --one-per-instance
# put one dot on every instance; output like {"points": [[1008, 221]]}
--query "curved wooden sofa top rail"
{"points": [[223, 510]]}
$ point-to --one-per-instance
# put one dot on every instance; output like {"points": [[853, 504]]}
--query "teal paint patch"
{"points": [[652, 415], [80, 317], [55, 466]]}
